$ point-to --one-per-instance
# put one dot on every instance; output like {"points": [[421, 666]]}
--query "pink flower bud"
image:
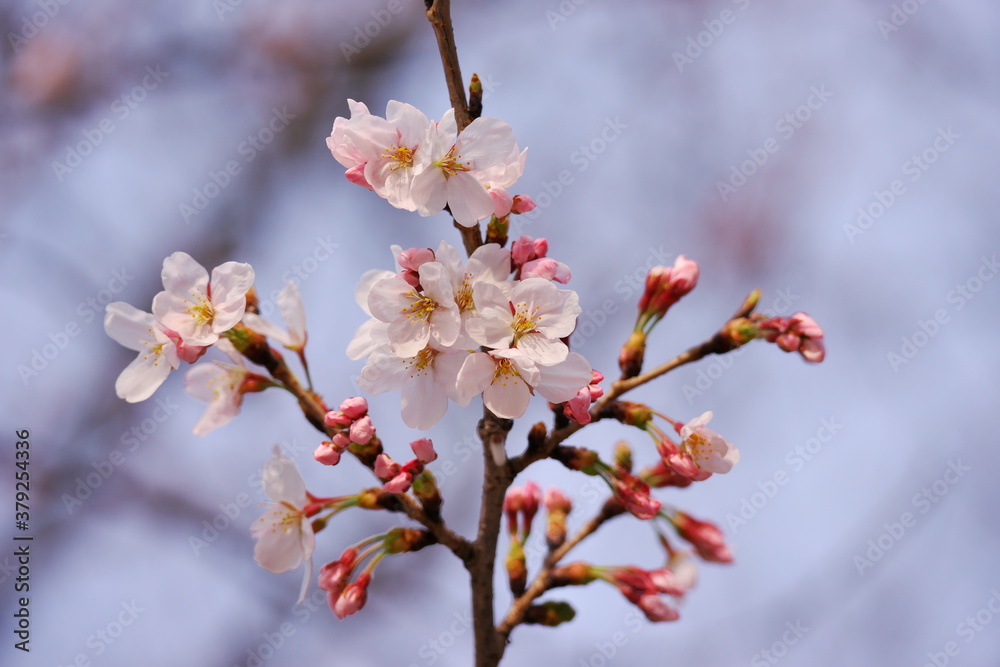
{"points": [[413, 258], [362, 430], [531, 499], [522, 250], [354, 408], [541, 247], [327, 454], [399, 484], [556, 501], [356, 175], [704, 536], [522, 204], [634, 494], [656, 609], [385, 467], [424, 449], [683, 276], [336, 418], [353, 598], [333, 576], [512, 506], [341, 441]]}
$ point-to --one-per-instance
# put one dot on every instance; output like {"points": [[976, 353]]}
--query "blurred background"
{"points": [[841, 156]]}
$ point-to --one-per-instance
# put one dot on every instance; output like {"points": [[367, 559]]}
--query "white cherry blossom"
{"points": [[415, 317], [293, 313], [158, 354], [200, 310], [284, 533]]}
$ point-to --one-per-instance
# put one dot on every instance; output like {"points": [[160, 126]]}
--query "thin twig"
{"points": [[439, 14], [543, 579]]}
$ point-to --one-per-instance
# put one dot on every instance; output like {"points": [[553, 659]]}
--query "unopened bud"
{"points": [[573, 574], [549, 614], [577, 458], [407, 540], [354, 408], [632, 355], [425, 488], [517, 568], [623, 456]]}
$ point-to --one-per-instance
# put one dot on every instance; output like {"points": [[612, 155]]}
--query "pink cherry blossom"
{"points": [[284, 533], [428, 380], [221, 385], [416, 317], [709, 450], [197, 308], [448, 166], [346, 148], [373, 333], [533, 317], [508, 378], [139, 331], [424, 450]]}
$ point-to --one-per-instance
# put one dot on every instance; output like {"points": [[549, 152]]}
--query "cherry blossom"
{"points": [[415, 317], [373, 333], [428, 380], [222, 385], [508, 378], [447, 167], [345, 148], [198, 309], [709, 450], [293, 313], [284, 533], [391, 146], [532, 318], [157, 347]]}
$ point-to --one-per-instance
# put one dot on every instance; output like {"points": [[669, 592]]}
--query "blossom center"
{"points": [[420, 307], [505, 372], [400, 156], [699, 447], [526, 319], [422, 363], [451, 164], [202, 310], [463, 297]]}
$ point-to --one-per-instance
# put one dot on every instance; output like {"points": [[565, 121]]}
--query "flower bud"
{"points": [[407, 540], [531, 499], [353, 598], [362, 430], [632, 354], [385, 467], [517, 568], [577, 458], [549, 614], [354, 408], [327, 454], [424, 449], [399, 484], [623, 456], [426, 490], [704, 536], [573, 574]]}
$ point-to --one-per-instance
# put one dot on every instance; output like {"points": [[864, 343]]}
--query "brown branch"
{"points": [[543, 579], [496, 479], [439, 14]]}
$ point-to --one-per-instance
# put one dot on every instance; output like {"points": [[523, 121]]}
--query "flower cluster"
{"points": [[419, 165], [427, 318]]}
